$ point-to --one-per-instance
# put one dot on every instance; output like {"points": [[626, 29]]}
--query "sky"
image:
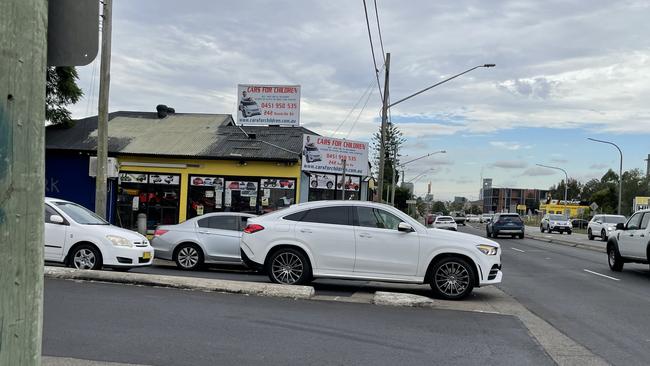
{"points": [[565, 71]]}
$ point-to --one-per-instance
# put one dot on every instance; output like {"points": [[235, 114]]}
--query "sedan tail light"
{"points": [[253, 228], [159, 232]]}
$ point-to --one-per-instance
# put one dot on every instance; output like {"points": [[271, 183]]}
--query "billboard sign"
{"points": [[261, 105], [325, 154]]}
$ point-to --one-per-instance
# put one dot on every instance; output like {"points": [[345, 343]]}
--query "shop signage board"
{"points": [[133, 178], [164, 179], [351, 183], [206, 182], [322, 181], [326, 154], [261, 105], [278, 183]]}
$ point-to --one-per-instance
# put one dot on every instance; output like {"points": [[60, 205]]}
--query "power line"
{"points": [[355, 106], [372, 49], [359, 115], [381, 42]]}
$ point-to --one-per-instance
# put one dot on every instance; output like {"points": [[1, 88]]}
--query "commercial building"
{"points": [[511, 199], [177, 166]]}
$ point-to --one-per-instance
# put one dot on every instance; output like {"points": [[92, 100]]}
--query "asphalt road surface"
{"points": [[155, 326], [574, 290]]}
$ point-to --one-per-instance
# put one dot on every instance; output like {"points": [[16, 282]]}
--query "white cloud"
{"points": [[510, 164], [509, 145], [538, 172]]}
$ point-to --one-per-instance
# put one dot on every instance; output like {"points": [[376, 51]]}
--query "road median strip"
{"points": [[186, 283]]}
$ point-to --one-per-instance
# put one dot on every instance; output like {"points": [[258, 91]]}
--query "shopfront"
{"points": [[170, 191], [330, 187]]}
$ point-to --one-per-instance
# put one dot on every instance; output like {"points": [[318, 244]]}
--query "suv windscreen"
{"points": [[557, 217], [510, 218]]}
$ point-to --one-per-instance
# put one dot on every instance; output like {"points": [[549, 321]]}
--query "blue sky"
{"points": [[566, 70]]}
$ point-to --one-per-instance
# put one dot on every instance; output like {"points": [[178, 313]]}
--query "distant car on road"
{"points": [[505, 224], [445, 222], [367, 241], [579, 223], [459, 217], [208, 239], [603, 225], [485, 218], [555, 222], [629, 243], [78, 238]]}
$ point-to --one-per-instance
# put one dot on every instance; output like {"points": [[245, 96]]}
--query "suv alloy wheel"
{"points": [[452, 278], [614, 259], [288, 266]]}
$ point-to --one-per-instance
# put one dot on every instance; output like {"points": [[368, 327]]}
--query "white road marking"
{"points": [[519, 250], [602, 275]]}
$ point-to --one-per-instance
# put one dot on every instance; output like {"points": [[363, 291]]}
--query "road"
{"points": [[574, 290], [155, 326]]}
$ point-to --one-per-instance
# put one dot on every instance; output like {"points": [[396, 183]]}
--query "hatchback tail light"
{"points": [[159, 232], [253, 228]]}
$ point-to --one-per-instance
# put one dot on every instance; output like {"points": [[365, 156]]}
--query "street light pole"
{"points": [[384, 115], [620, 170], [566, 180]]}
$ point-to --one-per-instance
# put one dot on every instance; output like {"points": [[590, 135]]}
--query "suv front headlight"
{"points": [[119, 241], [487, 249]]}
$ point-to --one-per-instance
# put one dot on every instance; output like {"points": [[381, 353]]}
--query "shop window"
{"points": [[240, 196], [154, 194], [277, 193], [331, 187], [205, 195]]}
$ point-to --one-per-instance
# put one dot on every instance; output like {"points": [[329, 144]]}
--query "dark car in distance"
{"points": [[505, 224]]}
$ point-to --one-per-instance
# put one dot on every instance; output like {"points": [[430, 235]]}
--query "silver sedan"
{"points": [[212, 239]]}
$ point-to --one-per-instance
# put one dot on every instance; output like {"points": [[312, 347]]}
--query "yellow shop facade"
{"points": [[170, 168]]}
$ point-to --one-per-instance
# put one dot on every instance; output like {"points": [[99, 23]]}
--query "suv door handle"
{"points": [[643, 236], [365, 235], [306, 231], [203, 232]]}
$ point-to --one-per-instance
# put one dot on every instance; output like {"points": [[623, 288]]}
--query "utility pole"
{"points": [[23, 41], [345, 161], [647, 169], [384, 122], [102, 117], [393, 183]]}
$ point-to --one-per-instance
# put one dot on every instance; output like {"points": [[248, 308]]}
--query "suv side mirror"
{"points": [[56, 219], [620, 226], [402, 226]]}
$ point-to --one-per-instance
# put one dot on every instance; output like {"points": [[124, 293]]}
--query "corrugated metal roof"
{"points": [[181, 135]]}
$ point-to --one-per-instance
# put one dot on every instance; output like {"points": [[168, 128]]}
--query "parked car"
{"points": [[459, 217], [603, 225], [79, 238], [445, 222], [505, 224], [473, 218], [367, 241], [208, 239], [629, 243], [555, 222], [579, 223]]}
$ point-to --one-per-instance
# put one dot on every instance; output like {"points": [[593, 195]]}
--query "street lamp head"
{"points": [[443, 151], [489, 65]]}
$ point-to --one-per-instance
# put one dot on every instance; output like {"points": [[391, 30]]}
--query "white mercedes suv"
{"points": [[603, 225], [367, 241]]}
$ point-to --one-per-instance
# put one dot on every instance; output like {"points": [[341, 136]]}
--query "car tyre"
{"points": [[614, 259], [541, 228], [521, 236], [590, 235], [313, 184], [487, 233], [188, 257], [452, 278], [86, 256], [603, 235], [568, 232], [288, 266], [121, 269], [329, 185]]}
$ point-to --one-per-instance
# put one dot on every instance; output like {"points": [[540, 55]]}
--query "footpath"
{"points": [[573, 240]]}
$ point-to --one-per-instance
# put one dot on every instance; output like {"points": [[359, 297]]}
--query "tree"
{"points": [[475, 210], [439, 206], [61, 90], [394, 140], [573, 192]]}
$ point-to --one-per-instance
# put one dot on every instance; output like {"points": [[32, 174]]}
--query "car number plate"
{"points": [[146, 255]]}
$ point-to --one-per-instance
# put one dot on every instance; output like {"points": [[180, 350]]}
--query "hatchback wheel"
{"points": [[614, 259], [452, 278], [188, 257], [86, 257], [603, 235], [541, 228], [289, 267], [590, 235]]}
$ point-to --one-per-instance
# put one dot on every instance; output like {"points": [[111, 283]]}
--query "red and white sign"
{"points": [[268, 105], [325, 154]]}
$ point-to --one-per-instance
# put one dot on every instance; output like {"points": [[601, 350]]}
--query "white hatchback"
{"points": [[445, 222], [78, 238], [367, 241]]}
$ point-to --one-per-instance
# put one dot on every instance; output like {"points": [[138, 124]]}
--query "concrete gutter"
{"points": [[185, 283]]}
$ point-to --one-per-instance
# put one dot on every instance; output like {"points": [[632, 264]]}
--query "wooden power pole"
{"points": [[102, 117], [23, 39], [384, 123]]}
